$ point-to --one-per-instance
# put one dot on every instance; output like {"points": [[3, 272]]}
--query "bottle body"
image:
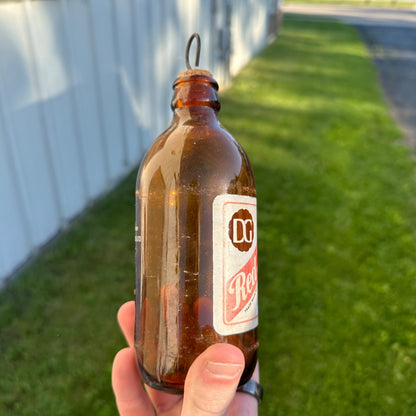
{"points": [[189, 167]]}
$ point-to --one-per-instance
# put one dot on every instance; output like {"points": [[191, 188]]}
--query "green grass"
{"points": [[58, 319], [337, 243]]}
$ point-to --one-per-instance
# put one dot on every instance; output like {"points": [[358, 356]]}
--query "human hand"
{"points": [[210, 386]]}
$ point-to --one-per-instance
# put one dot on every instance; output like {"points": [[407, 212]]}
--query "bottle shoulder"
{"points": [[203, 154]]}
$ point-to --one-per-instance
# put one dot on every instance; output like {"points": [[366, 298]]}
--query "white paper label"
{"points": [[235, 264]]}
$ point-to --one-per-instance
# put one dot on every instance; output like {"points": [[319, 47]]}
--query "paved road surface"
{"points": [[390, 35]]}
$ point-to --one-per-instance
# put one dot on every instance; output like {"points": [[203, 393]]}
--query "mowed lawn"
{"points": [[337, 251]]}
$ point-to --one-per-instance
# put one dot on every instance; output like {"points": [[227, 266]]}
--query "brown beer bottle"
{"points": [[196, 241]]}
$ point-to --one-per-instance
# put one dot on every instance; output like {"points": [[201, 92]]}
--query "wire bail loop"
{"points": [[198, 50]]}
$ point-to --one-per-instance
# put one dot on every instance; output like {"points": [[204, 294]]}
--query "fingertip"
{"points": [[125, 317], [130, 396], [124, 366], [126, 310]]}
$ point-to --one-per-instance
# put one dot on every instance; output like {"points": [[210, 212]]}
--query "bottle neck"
{"points": [[195, 114], [195, 97]]}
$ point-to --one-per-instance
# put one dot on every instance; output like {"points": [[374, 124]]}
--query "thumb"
{"points": [[212, 380]]}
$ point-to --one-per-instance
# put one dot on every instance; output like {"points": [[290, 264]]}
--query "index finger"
{"points": [[160, 399], [125, 317]]}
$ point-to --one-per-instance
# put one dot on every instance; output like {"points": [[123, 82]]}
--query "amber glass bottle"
{"points": [[196, 250]]}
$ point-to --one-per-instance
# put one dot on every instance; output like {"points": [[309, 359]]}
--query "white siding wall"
{"points": [[85, 86]]}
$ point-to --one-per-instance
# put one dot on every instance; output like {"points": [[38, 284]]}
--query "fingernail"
{"points": [[224, 370]]}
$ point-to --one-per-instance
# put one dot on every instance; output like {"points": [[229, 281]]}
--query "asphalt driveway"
{"points": [[390, 35]]}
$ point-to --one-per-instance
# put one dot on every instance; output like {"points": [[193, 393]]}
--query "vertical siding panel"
{"points": [[165, 64], [101, 21], [137, 53], [223, 35], [144, 115], [69, 60], [204, 31], [208, 13], [157, 67], [213, 38], [55, 88], [115, 32], [86, 89], [40, 131], [16, 241], [125, 73], [178, 35], [241, 31], [22, 139], [98, 101], [258, 31], [83, 95], [176, 52], [135, 44]]}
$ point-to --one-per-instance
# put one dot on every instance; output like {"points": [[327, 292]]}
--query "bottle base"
{"points": [[164, 388], [177, 388], [171, 388]]}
